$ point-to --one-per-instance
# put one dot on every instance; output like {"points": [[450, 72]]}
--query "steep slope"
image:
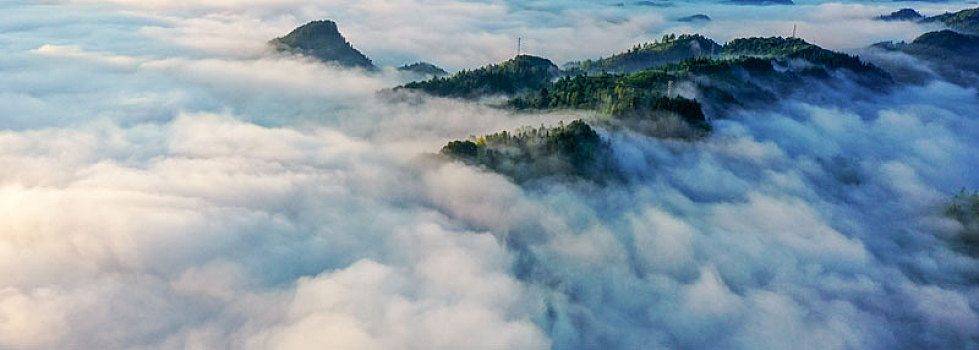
{"points": [[322, 40], [950, 54], [965, 21]]}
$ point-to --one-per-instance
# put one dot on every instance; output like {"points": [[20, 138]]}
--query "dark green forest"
{"points": [[644, 89], [520, 74], [574, 150], [966, 21], [669, 49], [950, 54]]}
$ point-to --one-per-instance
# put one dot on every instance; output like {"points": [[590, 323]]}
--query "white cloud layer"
{"points": [[169, 184]]}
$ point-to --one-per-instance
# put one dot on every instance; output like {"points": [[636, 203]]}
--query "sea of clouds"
{"points": [[167, 182]]}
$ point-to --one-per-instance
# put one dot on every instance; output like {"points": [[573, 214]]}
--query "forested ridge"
{"points": [[670, 88]]}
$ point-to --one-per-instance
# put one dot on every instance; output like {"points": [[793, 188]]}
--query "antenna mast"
{"points": [[793, 30], [518, 46]]}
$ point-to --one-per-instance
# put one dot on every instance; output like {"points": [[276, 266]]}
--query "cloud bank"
{"points": [[169, 184]]}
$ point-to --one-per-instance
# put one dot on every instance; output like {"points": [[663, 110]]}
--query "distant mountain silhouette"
{"points": [[905, 14], [424, 68], [694, 18]]}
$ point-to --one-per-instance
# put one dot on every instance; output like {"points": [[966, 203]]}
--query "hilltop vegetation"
{"points": [[669, 100], [965, 21], [721, 83], [772, 46], [950, 54], [520, 74], [638, 102], [905, 14], [674, 49], [424, 68], [566, 151], [670, 49], [643, 109], [610, 95], [795, 48], [950, 41], [530, 81]]}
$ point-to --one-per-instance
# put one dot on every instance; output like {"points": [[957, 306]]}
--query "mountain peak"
{"points": [[530, 61], [316, 29], [949, 40], [671, 49], [424, 68], [322, 40], [905, 14], [519, 74]]}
